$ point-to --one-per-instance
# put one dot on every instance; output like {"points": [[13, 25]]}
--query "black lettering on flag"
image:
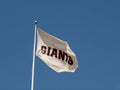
{"points": [[65, 56], [61, 56], [70, 60], [43, 49], [48, 52], [54, 52]]}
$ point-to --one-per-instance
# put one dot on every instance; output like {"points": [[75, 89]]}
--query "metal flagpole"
{"points": [[33, 64]]}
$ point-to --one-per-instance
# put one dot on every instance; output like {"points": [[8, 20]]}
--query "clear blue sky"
{"points": [[91, 27]]}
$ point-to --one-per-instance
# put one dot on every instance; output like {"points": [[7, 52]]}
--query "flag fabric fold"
{"points": [[55, 53]]}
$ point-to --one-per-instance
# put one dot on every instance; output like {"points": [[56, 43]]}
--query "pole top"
{"points": [[36, 22]]}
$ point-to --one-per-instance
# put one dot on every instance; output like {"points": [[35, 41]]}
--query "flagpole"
{"points": [[33, 63]]}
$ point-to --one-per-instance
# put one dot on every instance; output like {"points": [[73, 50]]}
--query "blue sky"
{"points": [[91, 27]]}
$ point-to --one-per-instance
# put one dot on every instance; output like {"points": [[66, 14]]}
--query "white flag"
{"points": [[55, 53]]}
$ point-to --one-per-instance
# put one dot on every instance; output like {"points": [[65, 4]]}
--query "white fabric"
{"points": [[55, 53]]}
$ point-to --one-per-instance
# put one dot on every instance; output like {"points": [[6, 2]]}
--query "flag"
{"points": [[55, 53]]}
